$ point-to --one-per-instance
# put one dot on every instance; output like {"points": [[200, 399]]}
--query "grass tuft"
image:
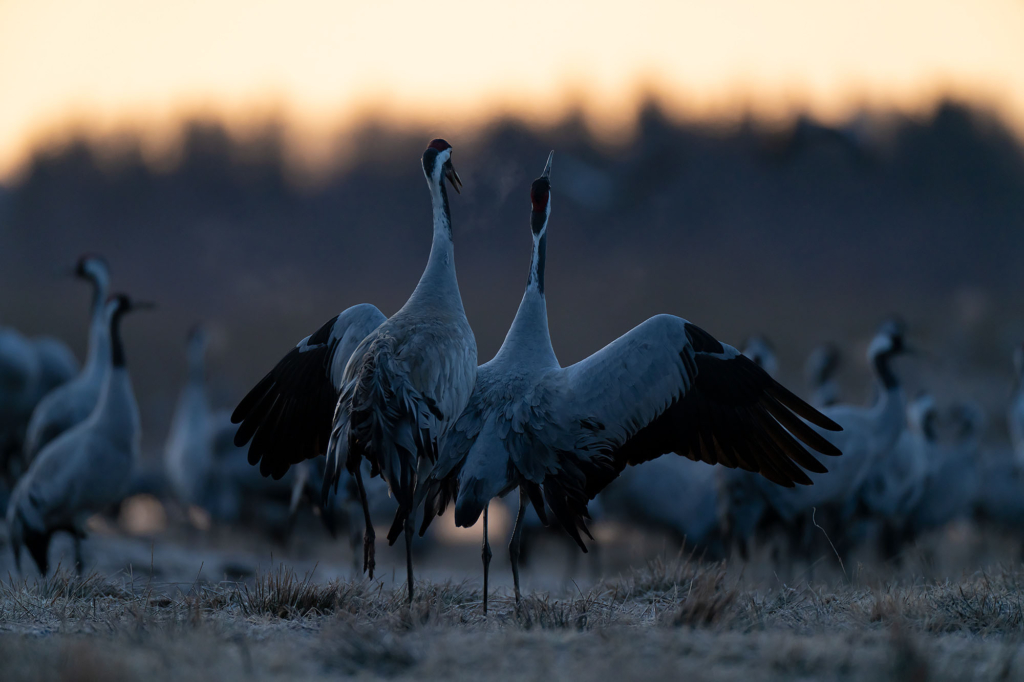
{"points": [[281, 594]]}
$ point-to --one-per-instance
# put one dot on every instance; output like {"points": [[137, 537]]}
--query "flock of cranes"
{"points": [[371, 411]]}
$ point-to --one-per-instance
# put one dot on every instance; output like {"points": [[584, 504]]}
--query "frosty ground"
{"points": [[673, 617]]}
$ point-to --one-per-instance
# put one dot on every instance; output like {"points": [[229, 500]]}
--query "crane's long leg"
{"points": [[486, 555], [409, 523], [411, 477], [369, 549], [517, 542]]}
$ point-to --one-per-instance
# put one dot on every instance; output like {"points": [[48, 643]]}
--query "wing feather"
{"points": [[288, 415], [669, 386]]}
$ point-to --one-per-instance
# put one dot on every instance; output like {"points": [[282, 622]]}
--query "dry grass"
{"points": [[279, 593], [671, 618]]}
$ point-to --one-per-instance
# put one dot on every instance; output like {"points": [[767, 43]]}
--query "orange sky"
{"points": [[100, 64]]}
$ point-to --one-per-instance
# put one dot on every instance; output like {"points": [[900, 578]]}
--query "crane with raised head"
{"points": [[562, 434], [409, 377]]}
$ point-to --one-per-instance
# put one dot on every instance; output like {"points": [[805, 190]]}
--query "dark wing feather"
{"points": [[669, 386], [441, 487], [287, 416]]}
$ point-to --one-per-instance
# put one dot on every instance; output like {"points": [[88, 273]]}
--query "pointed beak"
{"points": [[547, 166], [453, 177]]}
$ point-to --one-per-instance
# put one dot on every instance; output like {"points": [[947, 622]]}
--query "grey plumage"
{"points": [[30, 368], [84, 470], [952, 477], [894, 487], [286, 419], [820, 371], [189, 450], [672, 494], [408, 378], [287, 416], [563, 434], [759, 349], [411, 377], [73, 402], [868, 435]]}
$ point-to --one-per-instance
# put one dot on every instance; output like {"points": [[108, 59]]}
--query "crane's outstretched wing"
{"points": [[669, 386], [288, 414]]}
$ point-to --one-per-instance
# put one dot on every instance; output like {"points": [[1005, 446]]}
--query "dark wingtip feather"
{"points": [[800, 407], [253, 397], [398, 525], [533, 491], [800, 430]]}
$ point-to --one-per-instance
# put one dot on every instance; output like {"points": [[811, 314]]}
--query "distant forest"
{"points": [[805, 234]]}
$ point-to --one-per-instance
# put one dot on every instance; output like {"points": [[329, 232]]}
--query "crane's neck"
{"points": [[529, 339], [890, 411], [117, 406], [97, 360], [192, 412], [196, 363], [439, 286], [117, 358], [882, 364], [826, 393], [118, 411]]}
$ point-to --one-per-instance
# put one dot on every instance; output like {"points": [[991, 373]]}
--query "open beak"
{"points": [[453, 177], [547, 166]]}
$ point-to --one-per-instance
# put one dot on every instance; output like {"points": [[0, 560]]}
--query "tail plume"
{"points": [[382, 417]]}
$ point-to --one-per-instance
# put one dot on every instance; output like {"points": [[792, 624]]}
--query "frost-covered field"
{"points": [[670, 619]]}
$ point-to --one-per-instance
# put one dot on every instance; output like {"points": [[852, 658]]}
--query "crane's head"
{"points": [[92, 267], [822, 364], [540, 199], [890, 340], [437, 165]]}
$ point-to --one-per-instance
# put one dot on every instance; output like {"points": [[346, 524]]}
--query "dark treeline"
{"points": [[804, 234]]}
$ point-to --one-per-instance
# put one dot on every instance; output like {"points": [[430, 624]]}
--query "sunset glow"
{"points": [[95, 66]]}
